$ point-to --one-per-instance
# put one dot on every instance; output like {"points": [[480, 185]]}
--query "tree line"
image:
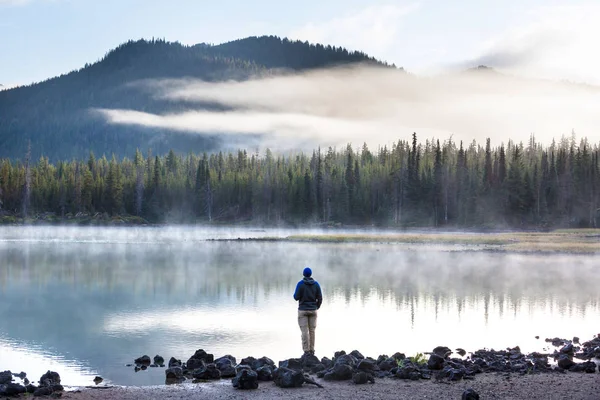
{"points": [[408, 184]]}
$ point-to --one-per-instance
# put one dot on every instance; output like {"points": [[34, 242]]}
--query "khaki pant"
{"points": [[307, 320]]}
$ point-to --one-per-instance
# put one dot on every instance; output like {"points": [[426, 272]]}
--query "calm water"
{"points": [[88, 301]]}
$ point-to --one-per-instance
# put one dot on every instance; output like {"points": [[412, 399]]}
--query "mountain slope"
{"points": [[54, 115]]}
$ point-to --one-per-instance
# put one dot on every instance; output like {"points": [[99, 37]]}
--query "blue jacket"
{"points": [[308, 293]]}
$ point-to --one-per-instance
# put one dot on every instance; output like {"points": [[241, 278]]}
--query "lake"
{"points": [[88, 301]]}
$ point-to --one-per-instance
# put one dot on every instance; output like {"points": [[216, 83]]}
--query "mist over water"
{"points": [[86, 301]]}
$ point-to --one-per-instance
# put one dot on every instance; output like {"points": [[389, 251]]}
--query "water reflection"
{"points": [[103, 302]]}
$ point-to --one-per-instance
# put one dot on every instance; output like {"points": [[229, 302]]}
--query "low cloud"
{"points": [[375, 105], [560, 43]]}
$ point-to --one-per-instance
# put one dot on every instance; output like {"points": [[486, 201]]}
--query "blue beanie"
{"points": [[307, 272]]}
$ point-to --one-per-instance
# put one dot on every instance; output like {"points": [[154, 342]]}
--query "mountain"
{"points": [[54, 115]]}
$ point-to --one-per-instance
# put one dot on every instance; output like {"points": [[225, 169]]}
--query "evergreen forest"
{"points": [[408, 184]]}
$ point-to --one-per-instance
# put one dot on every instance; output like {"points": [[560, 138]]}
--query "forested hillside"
{"points": [[54, 115], [434, 184]]}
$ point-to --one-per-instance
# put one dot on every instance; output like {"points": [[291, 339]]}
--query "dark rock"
{"points": [[366, 365], [442, 351], [388, 364], [309, 361], [43, 391], [575, 340], [194, 363], [317, 368], [588, 367], [289, 378], [262, 362], [225, 360], [435, 362], [98, 380], [346, 359], [321, 374], [461, 352], [20, 375], [50, 378], [356, 354], [399, 356], [338, 354], [556, 342], [265, 373], [537, 337], [31, 388], [292, 363], [204, 356], [56, 395], [565, 362], [360, 378], [173, 362], [228, 371], [12, 389], [144, 367], [406, 372], [470, 394], [137, 369], [568, 349], [245, 379], [208, 372], [342, 372], [143, 360], [5, 377], [326, 362], [158, 360], [174, 373], [248, 361]]}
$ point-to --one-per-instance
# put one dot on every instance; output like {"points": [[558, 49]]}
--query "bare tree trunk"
{"points": [[139, 190]]}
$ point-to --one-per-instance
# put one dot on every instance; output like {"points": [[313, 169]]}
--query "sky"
{"points": [[40, 39]]}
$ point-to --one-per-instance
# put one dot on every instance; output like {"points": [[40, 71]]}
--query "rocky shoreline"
{"points": [[440, 365]]}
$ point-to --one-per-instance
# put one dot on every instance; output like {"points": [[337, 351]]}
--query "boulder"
{"points": [[265, 373], [289, 378], [292, 363], [589, 367], [158, 360], [356, 354], [262, 362], [208, 372], [6, 377], [245, 379], [461, 352], [174, 373], [338, 354], [309, 360], [346, 359], [435, 362], [361, 377], [228, 372], [565, 362], [442, 351], [470, 394], [43, 391], [98, 380], [173, 362], [12, 389], [31, 388], [568, 349], [20, 375], [340, 372], [388, 364], [367, 365], [204, 356], [194, 363], [326, 362], [231, 359], [248, 361], [143, 360], [317, 368], [399, 356], [50, 378]]}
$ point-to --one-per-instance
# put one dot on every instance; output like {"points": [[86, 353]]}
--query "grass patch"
{"points": [[584, 241]]}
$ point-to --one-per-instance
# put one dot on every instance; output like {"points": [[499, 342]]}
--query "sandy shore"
{"points": [[489, 386]]}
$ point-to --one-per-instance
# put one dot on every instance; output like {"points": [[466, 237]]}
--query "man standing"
{"points": [[308, 294]]}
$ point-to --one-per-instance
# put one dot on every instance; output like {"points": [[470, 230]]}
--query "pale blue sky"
{"points": [[44, 38]]}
